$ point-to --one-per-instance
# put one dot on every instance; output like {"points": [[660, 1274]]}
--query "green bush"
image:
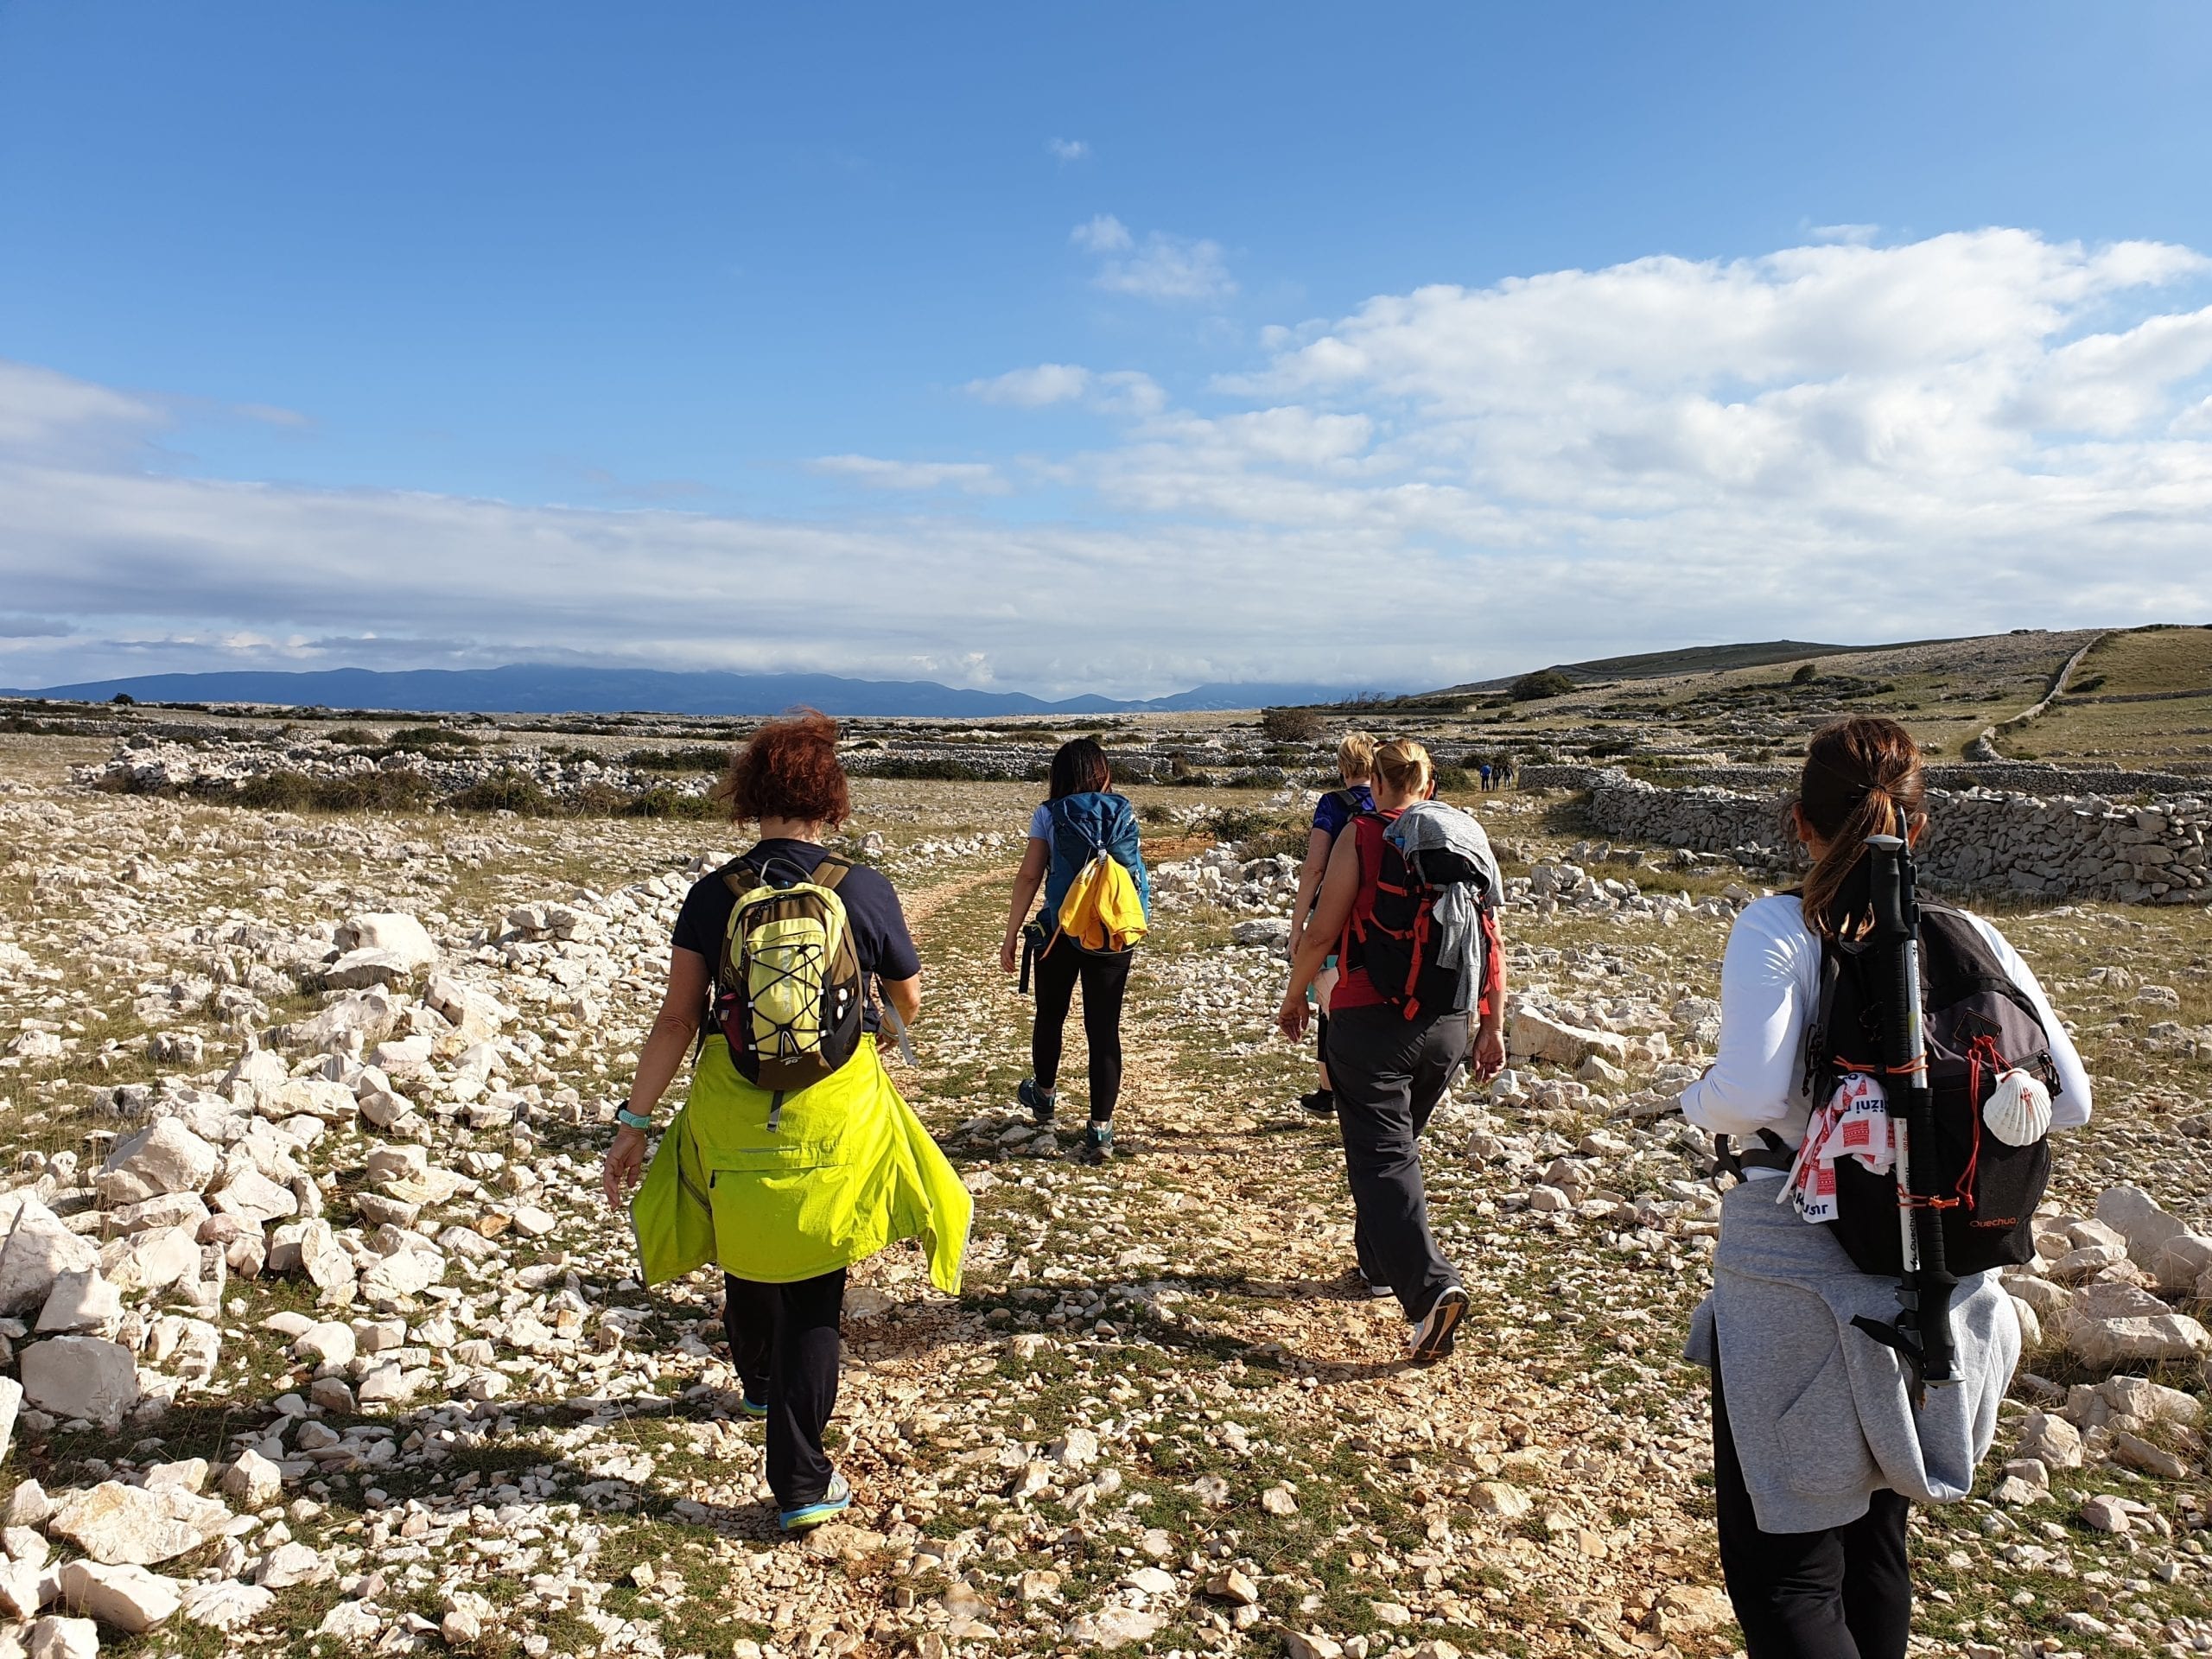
{"points": [[505, 790], [1806, 675], [702, 757], [300, 791], [417, 740], [932, 769], [357, 737], [1454, 778], [1544, 683]]}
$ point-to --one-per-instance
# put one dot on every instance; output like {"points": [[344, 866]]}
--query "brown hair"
{"points": [[788, 770], [1405, 766], [1356, 757], [1859, 774]]}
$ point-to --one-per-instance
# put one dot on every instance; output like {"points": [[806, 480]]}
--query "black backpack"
{"points": [[1978, 1025], [1397, 940]]}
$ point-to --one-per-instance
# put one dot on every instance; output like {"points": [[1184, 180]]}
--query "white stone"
{"points": [[1114, 1627], [226, 1604], [332, 1343], [2050, 1440], [290, 1564], [153, 1259], [1076, 1449], [1501, 1498], [1532, 1035], [55, 1637], [358, 970], [130, 1599], [34, 1250], [253, 1482], [80, 1377], [2110, 1324], [251, 1196], [119, 1525], [392, 931], [164, 1158], [11, 1402], [351, 1622]]}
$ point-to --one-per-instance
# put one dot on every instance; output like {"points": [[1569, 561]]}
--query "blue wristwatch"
{"points": [[633, 1120]]}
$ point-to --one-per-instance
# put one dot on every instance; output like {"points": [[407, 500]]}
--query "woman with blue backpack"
{"points": [[1081, 820]]}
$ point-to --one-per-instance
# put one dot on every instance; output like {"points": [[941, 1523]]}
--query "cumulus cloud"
{"points": [[1969, 432], [972, 477], [1034, 388], [1168, 268], [1068, 149]]}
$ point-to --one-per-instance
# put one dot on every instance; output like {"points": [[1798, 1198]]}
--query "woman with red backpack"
{"points": [[1356, 767], [1418, 992], [1820, 1440]]}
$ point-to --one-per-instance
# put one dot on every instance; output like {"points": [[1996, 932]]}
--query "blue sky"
{"points": [[1103, 349]]}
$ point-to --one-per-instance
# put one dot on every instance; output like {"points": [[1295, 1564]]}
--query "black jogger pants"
{"points": [[1387, 1073], [1843, 1593], [784, 1342], [1105, 979]]}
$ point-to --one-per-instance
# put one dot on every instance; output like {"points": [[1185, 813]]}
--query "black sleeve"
{"points": [[698, 925], [880, 934]]}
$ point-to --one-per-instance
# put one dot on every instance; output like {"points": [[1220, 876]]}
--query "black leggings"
{"points": [[1843, 1593], [785, 1341], [1105, 979]]}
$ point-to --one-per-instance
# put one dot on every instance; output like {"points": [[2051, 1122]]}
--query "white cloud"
{"points": [[1971, 432], [974, 478], [1101, 234], [1034, 388], [1170, 270], [1068, 149]]}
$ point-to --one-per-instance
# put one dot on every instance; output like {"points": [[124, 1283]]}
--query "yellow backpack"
{"points": [[1101, 912]]}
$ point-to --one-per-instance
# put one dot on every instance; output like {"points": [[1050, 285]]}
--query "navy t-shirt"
{"points": [[881, 941], [1331, 816]]}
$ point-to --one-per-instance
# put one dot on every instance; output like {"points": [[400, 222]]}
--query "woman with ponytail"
{"points": [[1818, 1447]]}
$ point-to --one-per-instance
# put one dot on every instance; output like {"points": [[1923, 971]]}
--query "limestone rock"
{"points": [[36, 1249], [130, 1599], [253, 1482], [1114, 1627], [226, 1604], [11, 1402], [55, 1637], [1532, 1035], [2117, 1324], [2051, 1440], [81, 1301], [81, 1376], [133, 1526], [392, 931], [1502, 1499], [162, 1159]]}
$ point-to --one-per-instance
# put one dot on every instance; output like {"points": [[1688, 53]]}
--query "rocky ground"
{"points": [[324, 1339]]}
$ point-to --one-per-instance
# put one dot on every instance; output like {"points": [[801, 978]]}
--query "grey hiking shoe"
{"points": [[1097, 1144], [1432, 1337]]}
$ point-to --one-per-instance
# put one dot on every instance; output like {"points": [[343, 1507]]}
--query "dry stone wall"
{"points": [[1979, 839]]}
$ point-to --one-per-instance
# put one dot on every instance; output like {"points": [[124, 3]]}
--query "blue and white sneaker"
{"points": [[1040, 1102], [1430, 1339], [832, 1503]]}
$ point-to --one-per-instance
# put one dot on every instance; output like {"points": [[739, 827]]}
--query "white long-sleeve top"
{"points": [[1770, 991]]}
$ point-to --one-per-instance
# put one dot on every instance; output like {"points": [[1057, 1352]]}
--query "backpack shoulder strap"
{"points": [[1817, 1047], [831, 872]]}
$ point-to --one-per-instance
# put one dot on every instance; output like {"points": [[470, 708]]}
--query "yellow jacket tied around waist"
{"points": [[778, 1187]]}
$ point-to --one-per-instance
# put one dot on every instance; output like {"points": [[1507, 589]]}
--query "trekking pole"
{"points": [[1923, 1333]]}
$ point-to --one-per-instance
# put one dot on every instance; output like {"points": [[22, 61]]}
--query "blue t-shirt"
{"points": [[1331, 816]]}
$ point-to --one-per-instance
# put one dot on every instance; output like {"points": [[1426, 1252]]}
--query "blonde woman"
{"points": [[1356, 767], [1391, 1057]]}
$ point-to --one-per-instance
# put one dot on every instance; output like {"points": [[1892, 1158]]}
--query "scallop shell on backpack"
{"points": [[2018, 1111]]}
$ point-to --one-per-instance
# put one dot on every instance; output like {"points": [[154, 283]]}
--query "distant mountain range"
{"points": [[529, 689]]}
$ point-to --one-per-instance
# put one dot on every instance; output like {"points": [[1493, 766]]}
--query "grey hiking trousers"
{"points": [[1389, 1073]]}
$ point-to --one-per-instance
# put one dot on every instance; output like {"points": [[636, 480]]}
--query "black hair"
{"points": [[1079, 768]]}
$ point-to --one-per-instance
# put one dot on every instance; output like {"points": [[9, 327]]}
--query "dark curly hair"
{"points": [[788, 769]]}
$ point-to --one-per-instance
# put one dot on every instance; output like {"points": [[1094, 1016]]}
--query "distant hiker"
{"points": [[1084, 851], [1486, 774], [1819, 1446], [793, 1156], [1408, 898], [1336, 809]]}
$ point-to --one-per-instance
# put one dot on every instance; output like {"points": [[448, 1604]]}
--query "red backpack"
{"points": [[1393, 935]]}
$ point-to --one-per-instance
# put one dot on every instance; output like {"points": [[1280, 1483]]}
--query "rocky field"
{"points": [[315, 1335]]}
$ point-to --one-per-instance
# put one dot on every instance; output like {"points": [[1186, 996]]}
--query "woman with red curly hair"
{"points": [[821, 1175]]}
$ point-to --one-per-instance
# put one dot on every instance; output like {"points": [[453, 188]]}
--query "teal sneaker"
{"points": [[1097, 1144], [1039, 1101], [832, 1503], [748, 1406]]}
